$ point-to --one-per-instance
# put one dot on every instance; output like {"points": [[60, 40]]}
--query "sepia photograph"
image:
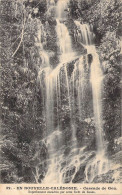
{"points": [[60, 92]]}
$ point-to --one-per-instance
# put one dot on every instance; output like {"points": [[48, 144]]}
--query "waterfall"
{"points": [[53, 173], [96, 78], [61, 8], [85, 35], [99, 164], [56, 83], [53, 81], [79, 74], [64, 41], [43, 54]]}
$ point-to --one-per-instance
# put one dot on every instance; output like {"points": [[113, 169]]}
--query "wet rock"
{"points": [[41, 177], [112, 176], [90, 58], [86, 135], [63, 164], [104, 178], [80, 175], [92, 145], [82, 158], [91, 156], [67, 151], [68, 174], [73, 153], [117, 158]]}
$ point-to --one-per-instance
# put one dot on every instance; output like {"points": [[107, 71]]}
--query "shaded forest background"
{"points": [[23, 123]]}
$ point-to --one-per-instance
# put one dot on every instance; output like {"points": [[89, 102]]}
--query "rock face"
{"points": [[113, 176], [80, 175]]}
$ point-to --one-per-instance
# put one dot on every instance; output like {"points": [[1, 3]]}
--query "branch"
{"points": [[22, 34]]}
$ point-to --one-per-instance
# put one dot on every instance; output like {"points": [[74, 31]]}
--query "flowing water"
{"points": [[96, 78], [61, 9], [62, 168], [99, 164]]}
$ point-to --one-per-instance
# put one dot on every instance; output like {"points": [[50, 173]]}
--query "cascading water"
{"points": [[60, 9], [64, 41], [53, 80], [96, 79], [99, 165], [59, 165], [43, 54], [54, 158], [78, 72], [85, 36]]}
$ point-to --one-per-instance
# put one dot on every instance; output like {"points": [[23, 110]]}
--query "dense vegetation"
{"points": [[23, 123]]}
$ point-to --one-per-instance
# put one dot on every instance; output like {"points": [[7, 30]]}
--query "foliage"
{"points": [[21, 108]]}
